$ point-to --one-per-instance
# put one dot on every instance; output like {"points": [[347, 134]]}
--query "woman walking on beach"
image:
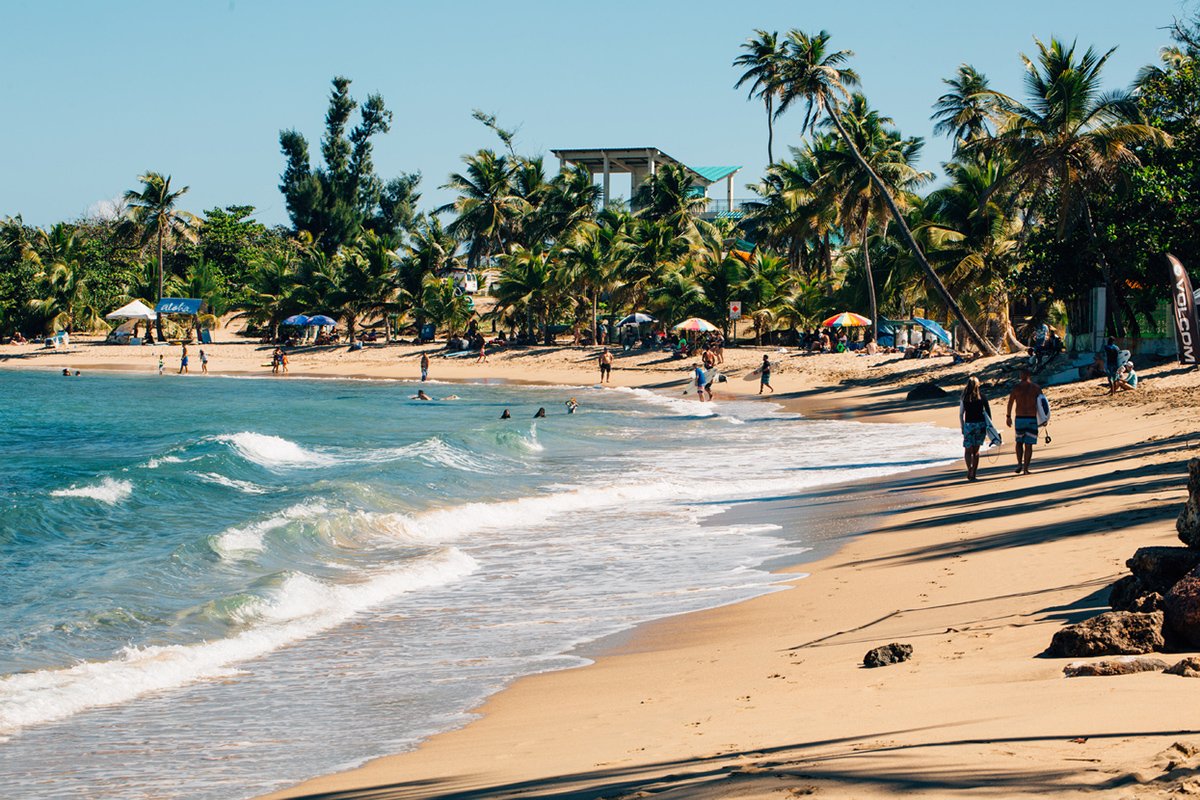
{"points": [[974, 413]]}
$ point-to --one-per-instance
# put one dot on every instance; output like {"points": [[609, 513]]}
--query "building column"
{"points": [[606, 179], [653, 164], [729, 190]]}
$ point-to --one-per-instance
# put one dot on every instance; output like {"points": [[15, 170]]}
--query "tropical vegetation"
{"points": [[1049, 193]]}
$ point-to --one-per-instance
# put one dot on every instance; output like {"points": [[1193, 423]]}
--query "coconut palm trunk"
{"points": [[906, 234], [158, 325], [866, 254]]}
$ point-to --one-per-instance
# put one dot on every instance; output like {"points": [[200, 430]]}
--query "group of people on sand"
{"points": [[185, 361], [279, 362], [1027, 411]]}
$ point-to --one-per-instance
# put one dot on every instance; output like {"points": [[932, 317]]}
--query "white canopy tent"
{"points": [[135, 310]]}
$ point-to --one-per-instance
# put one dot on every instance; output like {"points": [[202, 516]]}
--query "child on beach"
{"points": [[160, 364], [203, 363]]}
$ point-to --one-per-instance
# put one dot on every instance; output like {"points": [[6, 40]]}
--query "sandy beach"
{"points": [[768, 698]]}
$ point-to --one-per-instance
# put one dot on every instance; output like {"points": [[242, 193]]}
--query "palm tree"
{"points": [[65, 300], [891, 158], [153, 209], [594, 257], [795, 212], [670, 197], [678, 296], [765, 290], [527, 285], [762, 61], [1071, 139], [443, 304], [487, 208], [818, 77], [970, 110], [273, 293]]}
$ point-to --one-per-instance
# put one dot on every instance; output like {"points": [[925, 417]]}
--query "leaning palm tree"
{"points": [[153, 209], [762, 59], [818, 77], [861, 204]]}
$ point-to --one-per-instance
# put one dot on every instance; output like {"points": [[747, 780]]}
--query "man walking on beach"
{"points": [[764, 376], [606, 359], [424, 367], [1024, 398]]}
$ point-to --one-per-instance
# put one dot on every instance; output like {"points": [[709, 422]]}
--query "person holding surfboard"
{"points": [[764, 375], [974, 418], [1024, 399]]}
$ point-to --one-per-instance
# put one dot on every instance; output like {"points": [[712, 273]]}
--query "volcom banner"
{"points": [[1183, 306]]}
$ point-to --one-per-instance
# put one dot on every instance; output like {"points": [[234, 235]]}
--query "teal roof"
{"points": [[714, 174]]}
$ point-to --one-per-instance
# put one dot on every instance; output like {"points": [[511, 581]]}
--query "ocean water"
{"points": [[211, 587]]}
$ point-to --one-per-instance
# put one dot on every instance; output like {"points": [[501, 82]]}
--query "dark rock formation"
{"points": [[1125, 665], [1182, 606], [1160, 568], [1113, 633], [888, 654], [1188, 523], [1130, 594], [926, 391], [1187, 668]]}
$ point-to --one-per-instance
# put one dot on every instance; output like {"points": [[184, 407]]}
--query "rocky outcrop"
{"points": [[1113, 633], [1187, 668], [926, 391], [1188, 523], [1130, 594], [1125, 665], [1182, 607], [892, 653], [1160, 568]]}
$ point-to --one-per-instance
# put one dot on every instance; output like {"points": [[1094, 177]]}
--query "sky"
{"points": [[95, 93]]}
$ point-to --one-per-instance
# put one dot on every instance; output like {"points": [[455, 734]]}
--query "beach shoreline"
{"points": [[766, 698]]}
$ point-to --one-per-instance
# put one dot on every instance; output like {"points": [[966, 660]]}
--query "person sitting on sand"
{"points": [[1024, 398], [572, 404], [420, 395], [973, 415], [1126, 378], [18, 338], [506, 415], [541, 412]]}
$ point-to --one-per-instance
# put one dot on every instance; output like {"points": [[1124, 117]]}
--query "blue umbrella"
{"points": [[321, 319], [937, 330], [296, 319]]}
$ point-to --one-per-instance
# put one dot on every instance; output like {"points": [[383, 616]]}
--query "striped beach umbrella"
{"points": [[695, 324], [846, 319]]}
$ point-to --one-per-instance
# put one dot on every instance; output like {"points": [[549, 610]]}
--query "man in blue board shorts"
{"points": [[1025, 425]]}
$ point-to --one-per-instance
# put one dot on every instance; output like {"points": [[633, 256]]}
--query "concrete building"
{"points": [[642, 162]]}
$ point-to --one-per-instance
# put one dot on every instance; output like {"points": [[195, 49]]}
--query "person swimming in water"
{"points": [[420, 395], [572, 404], [506, 415], [541, 412]]}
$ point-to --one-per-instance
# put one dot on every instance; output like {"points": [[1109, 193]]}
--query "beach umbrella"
{"points": [[695, 324], [296, 319], [937, 330], [846, 319], [637, 318], [320, 319]]}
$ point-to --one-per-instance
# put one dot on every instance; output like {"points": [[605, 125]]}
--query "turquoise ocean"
{"points": [[212, 587]]}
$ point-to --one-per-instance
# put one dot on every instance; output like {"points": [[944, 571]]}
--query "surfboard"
{"points": [[753, 374], [993, 436]]}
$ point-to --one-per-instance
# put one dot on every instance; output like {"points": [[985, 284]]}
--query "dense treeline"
{"points": [[1048, 194]]}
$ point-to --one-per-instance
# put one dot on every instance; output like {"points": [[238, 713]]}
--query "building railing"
{"points": [[722, 206]]}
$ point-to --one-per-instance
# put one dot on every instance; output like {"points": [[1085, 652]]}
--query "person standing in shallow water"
{"points": [[424, 367], [973, 415], [1024, 400]]}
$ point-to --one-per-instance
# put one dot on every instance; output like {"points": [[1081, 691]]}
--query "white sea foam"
{"points": [[155, 463], [301, 607], [240, 541], [109, 490], [679, 406], [245, 487], [274, 451]]}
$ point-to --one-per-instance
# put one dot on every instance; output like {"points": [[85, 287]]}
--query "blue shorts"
{"points": [[765, 379], [1026, 429], [974, 434]]}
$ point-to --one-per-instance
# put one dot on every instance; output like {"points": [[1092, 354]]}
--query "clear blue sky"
{"points": [[93, 93]]}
